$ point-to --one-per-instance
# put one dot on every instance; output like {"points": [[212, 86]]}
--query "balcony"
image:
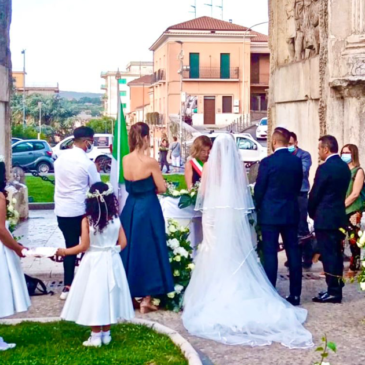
{"points": [[212, 73], [159, 76], [103, 87]]}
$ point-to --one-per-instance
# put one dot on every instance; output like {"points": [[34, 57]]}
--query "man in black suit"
{"points": [[327, 208], [276, 196]]}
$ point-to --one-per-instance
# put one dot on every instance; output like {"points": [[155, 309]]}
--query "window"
{"points": [[194, 65], [38, 146], [123, 93], [227, 104], [246, 144], [258, 102], [225, 65], [123, 81], [22, 147], [255, 68]]}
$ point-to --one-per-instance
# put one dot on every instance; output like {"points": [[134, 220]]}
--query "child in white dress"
{"points": [[99, 295], [14, 297]]}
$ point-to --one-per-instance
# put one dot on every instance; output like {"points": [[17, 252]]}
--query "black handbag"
{"points": [[36, 286]]}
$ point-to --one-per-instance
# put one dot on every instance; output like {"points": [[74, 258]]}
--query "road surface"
{"points": [[252, 131]]}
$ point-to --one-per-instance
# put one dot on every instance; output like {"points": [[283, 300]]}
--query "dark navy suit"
{"points": [[277, 189]]}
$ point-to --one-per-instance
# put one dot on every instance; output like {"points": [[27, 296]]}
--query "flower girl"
{"points": [[100, 294], [14, 297]]}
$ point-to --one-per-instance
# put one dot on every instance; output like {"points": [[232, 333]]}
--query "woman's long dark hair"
{"points": [[99, 212], [3, 181]]}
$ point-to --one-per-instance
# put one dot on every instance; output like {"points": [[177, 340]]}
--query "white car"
{"points": [[101, 152], [250, 150], [261, 131]]}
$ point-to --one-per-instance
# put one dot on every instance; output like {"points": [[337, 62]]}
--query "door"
{"points": [[23, 154], [194, 65], [227, 104], [209, 110], [225, 65]]}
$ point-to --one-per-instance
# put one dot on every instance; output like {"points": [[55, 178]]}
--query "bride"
{"points": [[229, 298]]}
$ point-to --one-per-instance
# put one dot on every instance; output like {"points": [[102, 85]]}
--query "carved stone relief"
{"points": [[303, 36]]}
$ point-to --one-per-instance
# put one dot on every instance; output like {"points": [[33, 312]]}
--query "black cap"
{"points": [[83, 132]]}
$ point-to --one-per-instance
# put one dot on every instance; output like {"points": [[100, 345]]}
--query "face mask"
{"points": [[291, 149], [90, 147], [346, 157]]}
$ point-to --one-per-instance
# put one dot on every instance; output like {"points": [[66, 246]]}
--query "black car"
{"points": [[33, 155]]}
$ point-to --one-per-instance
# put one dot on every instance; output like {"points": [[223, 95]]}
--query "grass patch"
{"points": [[43, 191], [61, 343]]}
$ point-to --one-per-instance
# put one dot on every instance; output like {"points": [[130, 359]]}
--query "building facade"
{"points": [[133, 71], [213, 71], [43, 89]]}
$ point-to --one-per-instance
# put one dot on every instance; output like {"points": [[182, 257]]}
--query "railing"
{"points": [[239, 125], [212, 73], [159, 75]]}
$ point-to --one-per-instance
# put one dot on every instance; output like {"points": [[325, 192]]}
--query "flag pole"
{"points": [[118, 77]]}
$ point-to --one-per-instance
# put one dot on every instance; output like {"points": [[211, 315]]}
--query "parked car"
{"points": [[261, 131], [250, 150], [15, 140], [32, 154], [101, 152]]}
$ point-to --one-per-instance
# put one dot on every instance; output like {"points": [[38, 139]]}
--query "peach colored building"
{"points": [[139, 98], [225, 72], [43, 89]]}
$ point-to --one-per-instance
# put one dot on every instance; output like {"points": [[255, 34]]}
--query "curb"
{"points": [[41, 206], [186, 348]]}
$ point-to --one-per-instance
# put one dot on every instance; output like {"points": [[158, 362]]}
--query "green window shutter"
{"points": [[225, 65], [123, 81], [123, 93], [194, 65]]}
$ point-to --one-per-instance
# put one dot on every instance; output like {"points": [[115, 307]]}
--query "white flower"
{"points": [[176, 273], [182, 192], [192, 194], [362, 286], [16, 214], [363, 263], [172, 229], [175, 193], [325, 363], [156, 302], [170, 259], [171, 295], [10, 208], [14, 201], [184, 229], [181, 251], [359, 233], [191, 267], [178, 288], [2, 159], [361, 241], [13, 222], [177, 258], [173, 244]]}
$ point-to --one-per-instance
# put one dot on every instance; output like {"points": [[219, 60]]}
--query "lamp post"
{"points": [[181, 58], [40, 119], [24, 120], [248, 30], [118, 76]]}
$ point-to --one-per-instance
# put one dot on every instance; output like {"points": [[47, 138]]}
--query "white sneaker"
{"points": [[65, 293], [5, 346], [93, 342], [106, 339]]}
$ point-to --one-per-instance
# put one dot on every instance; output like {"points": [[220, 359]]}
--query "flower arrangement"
{"points": [[180, 256], [361, 244], [12, 215], [187, 198]]}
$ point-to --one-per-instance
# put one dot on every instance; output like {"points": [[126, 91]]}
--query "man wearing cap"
{"points": [[74, 174]]}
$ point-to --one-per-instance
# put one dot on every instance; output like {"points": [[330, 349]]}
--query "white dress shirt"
{"points": [[74, 174]]}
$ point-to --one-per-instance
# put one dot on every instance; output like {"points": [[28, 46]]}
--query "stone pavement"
{"points": [[344, 324]]}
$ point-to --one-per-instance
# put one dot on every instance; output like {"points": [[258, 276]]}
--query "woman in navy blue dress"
{"points": [[145, 258]]}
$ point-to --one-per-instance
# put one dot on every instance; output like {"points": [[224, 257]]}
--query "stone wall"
{"points": [[317, 83], [5, 80]]}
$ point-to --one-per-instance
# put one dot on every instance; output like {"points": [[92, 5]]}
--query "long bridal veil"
{"points": [[229, 298]]}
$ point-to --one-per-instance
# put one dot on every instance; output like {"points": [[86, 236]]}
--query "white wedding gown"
{"points": [[229, 298]]}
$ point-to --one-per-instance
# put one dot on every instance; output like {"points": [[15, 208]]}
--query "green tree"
{"points": [[102, 125]]}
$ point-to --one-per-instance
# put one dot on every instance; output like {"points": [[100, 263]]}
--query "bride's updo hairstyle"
{"points": [[137, 135]]}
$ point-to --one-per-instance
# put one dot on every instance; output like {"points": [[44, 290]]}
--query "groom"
{"points": [[276, 195]]}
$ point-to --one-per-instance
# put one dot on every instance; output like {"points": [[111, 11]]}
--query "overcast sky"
{"points": [[72, 41]]}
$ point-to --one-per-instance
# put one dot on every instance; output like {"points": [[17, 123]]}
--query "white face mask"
{"points": [[90, 147]]}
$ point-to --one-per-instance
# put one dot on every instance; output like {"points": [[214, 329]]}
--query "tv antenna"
{"points": [[220, 7], [211, 6], [194, 7]]}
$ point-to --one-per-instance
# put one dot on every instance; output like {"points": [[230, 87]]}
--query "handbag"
{"points": [[36, 287]]}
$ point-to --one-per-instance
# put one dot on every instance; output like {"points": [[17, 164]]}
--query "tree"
{"points": [[102, 125]]}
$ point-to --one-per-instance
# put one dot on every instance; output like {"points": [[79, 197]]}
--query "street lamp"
{"points": [[248, 30], [40, 119], [118, 76], [24, 120], [181, 58]]}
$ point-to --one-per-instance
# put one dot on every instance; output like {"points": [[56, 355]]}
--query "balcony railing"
{"points": [[159, 75], [212, 73], [103, 87]]}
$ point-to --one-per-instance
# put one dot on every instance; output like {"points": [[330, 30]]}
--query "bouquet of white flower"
{"points": [[187, 198], [12, 215], [180, 256]]}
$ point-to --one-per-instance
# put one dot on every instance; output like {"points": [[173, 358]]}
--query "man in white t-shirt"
{"points": [[74, 174]]}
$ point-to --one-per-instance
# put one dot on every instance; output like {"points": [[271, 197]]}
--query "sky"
{"points": [[72, 41]]}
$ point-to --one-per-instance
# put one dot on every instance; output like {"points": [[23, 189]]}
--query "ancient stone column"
{"points": [[5, 80]]}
